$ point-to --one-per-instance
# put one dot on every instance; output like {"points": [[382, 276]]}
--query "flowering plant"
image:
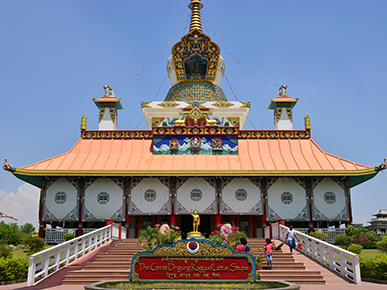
{"points": [[228, 235], [4, 215]]}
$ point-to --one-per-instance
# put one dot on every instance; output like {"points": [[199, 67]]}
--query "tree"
{"points": [[27, 229]]}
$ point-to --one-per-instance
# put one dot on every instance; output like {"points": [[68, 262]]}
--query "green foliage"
{"points": [[343, 241], [258, 257], [382, 245], [5, 252], [27, 229], [374, 267], [13, 269], [35, 244], [216, 239], [382, 237], [355, 248], [150, 236], [168, 238], [6, 231], [69, 236], [368, 245], [319, 235]]}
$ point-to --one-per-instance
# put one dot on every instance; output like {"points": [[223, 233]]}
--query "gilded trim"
{"points": [[33, 172]]}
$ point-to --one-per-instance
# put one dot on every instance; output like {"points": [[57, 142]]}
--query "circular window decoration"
{"points": [[241, 194], [60, 197], [329, 197], [286, 197], [150, 195], [196, 194], [103, 197]]}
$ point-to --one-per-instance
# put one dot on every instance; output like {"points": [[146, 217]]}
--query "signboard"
{"points": [[193, 260]]}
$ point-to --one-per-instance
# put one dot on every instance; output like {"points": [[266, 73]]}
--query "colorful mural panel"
{"points": [[195, 145]]}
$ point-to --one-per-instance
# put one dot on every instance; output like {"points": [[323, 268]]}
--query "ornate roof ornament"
{"points": [[195, 56]]}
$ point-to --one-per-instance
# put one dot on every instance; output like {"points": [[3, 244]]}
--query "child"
{"points": [[269, 252]]}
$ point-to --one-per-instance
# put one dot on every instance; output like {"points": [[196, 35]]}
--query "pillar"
{"points": [[348, 192], [218, 221], [309, 194], [42, 225], [264, 198], [127, 218], [81, 183], [172, 192]]}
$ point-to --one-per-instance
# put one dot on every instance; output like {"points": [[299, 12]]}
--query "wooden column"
{"points": [[264, 199], [172, 192], [309, 195], [42, 225], [218, 218], [127, 183], [348, 192], [81, 186]]}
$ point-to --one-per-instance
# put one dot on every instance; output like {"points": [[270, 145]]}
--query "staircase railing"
{"points": [[50, 260], [340, 261]]}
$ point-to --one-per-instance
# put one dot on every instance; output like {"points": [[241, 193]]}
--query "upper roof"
{"points": [[256, 157]]}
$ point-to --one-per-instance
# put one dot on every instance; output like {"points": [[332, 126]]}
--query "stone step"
{"points": [[94, 273], [289, 273], [298, 281]]}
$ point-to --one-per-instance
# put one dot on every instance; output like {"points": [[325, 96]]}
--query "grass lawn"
{"points": [[23, 253], [370, 253]]}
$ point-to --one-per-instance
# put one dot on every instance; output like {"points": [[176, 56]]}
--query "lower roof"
{"points": [[256, 157]]}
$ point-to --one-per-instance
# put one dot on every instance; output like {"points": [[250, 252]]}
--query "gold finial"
{"points": [[196, 22], [83, 122], [307, 122]]}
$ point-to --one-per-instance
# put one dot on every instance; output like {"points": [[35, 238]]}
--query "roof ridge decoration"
{"points": [[195, 56]]}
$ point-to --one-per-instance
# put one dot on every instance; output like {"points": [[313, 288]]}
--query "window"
{"points": [[103, 198], [241, 194], [60, 197], [150, 195], [286, 197], [329, 197], [196, 194]]}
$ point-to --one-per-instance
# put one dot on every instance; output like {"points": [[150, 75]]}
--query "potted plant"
{"points": [[258, 258]]}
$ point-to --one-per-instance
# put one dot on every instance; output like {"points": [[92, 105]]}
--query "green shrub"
{"points": [[13, 269], [382, 245], [5, 252], [14, 239], [68, 236], [374, 267], [343, 241], [355, 248], [368, 245], [35, 244], [319, 235]]}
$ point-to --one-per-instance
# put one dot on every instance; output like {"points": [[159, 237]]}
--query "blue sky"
{"points": [[57, 55]]}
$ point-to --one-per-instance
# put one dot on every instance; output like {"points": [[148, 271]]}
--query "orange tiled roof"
{"points": [[135, 157]]}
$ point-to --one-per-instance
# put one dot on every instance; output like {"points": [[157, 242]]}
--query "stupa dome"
{"points": [[201, 91]]}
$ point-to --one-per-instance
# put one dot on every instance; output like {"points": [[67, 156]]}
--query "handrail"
{"points": [[340, 261], [47, 261]]}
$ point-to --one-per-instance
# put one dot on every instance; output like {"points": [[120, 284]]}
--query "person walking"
{"points": [[269, 253], [290, 237]]}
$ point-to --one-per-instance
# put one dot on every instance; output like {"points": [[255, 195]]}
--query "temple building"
{"points": [[197, 155], [379, 223]]}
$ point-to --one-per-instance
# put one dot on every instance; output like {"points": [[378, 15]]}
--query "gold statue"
{"points": [[196, 222]]}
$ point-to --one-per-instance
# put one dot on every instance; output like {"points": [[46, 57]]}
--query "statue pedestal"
{"points": [[197, 235]]}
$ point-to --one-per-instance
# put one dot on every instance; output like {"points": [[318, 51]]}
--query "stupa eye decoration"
{"points": [[195, 57]]}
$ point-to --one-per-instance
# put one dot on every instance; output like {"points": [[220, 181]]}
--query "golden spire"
{"points": [[83, 122], [196, 22], [307, 122]]}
